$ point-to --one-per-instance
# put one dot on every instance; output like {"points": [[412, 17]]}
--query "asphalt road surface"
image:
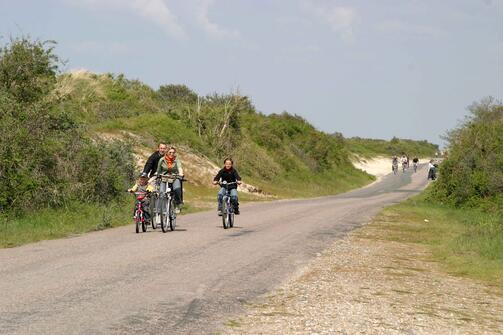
{"points": [[185, 282]]}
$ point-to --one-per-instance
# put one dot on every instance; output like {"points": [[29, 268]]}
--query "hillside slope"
{"points": [[278, 152]]}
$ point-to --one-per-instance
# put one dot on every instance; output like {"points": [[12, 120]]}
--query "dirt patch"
{"points": [[368, 285]]}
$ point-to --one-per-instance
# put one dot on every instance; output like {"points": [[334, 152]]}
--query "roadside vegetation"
{"points": [[58, 164], [460, 216]]}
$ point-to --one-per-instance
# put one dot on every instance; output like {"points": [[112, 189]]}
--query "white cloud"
{"points": [[155, 11], [159, 13], [400, 27], [341, 19], [210, 27]]}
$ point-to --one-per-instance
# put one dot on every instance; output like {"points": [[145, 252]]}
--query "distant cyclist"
{"points": [[394, 164], [432, 170], [404, 161], [415, 161]]}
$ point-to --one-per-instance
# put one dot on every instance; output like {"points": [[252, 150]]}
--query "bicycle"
{"points": [[139, 213], [166, 202], [227, 207]]}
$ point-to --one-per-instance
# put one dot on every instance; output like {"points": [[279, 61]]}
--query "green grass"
{"points": [[47, 224], [466, 242], [306, 184]]}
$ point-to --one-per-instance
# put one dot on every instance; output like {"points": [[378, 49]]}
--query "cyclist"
{"points": [[170, 164], [152, 162], [404, 161], [229, 174], [142, 185], [432, 170], [394, 164], [415, 161]]}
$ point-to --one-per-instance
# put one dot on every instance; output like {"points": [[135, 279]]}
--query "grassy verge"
{"points": [[307, 185], [466, 242], [50, 224]]}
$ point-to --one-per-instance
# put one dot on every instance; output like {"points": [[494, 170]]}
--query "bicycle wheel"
{"points": [[153, 210], [164, 215], [143, 224], [225, 214], [231, 220], [137, 221], [172, 216]]}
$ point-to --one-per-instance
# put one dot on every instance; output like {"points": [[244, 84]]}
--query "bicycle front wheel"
{"points": [[231, 220], [164, 215], [172, 216], [137, 221], [225, 218]]}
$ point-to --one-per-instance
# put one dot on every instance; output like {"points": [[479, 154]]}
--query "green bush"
{"points": [[46, 158], [472, 174]]}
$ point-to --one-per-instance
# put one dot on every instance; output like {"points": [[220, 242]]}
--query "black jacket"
{"points": [[151, 164], [229, 176]]}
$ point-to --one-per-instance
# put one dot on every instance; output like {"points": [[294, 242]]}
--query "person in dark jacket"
{"points": [[152, 162], [229, 174]]}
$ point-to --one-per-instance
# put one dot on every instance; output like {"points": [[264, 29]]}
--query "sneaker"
{"points": [[219, 212], [177, 210]]}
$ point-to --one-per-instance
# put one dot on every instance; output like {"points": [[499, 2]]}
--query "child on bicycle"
{"points": [[142, 185], [230, 175]]}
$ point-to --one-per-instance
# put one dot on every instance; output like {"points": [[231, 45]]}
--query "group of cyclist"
{"points": [[164, 161], [404, 161]]}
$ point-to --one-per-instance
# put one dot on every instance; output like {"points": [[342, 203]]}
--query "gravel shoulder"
{"points": [[365, 284]]}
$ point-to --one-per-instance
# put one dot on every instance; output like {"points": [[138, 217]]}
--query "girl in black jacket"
{"points": [[230, 175]]}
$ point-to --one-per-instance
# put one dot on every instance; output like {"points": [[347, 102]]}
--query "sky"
{"points": [[378, 69]]}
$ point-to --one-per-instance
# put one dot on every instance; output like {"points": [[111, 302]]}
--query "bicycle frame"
{"points": [[165, 209], [139, 213], [228, 210]]}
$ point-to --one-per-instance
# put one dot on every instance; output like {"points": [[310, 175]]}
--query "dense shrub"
{"points": [[45, 156], [472, 174]]}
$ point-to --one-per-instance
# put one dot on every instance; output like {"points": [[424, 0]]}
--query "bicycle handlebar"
{"points": [[226, 183], [171, 176]]}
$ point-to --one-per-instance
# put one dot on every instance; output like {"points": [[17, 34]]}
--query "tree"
{"points": [[176, 94], [28, 69]]}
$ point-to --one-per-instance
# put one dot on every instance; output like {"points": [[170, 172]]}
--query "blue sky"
{"points": [[365, 68]]}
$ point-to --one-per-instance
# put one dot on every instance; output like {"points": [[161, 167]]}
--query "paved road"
{"points": [[184, 282]]}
